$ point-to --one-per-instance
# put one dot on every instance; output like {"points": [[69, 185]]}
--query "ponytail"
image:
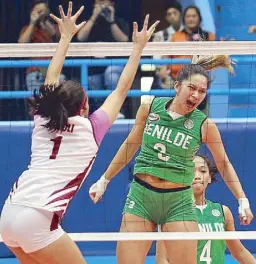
{"points": [[202, 65], [48, 103], [211, 62], [58, 103]]}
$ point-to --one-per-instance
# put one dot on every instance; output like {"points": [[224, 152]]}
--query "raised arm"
{"points": [[68, 28], [125, 153], [211, 137], [236, 248], [85, 31], [115, 100]]}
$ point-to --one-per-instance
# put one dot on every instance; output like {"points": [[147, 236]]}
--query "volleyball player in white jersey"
{"points": [[65, 142]]}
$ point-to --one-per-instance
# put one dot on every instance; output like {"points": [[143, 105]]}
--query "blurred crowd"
{"points": [[104, 24]]}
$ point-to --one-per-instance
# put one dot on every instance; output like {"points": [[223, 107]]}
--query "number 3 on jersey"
{"points": [[56, 147], [162, 151], [205, 256]]}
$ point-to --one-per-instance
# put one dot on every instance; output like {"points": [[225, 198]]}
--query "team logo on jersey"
{"points": [[153, 117], [188, 124], [216, 212]]}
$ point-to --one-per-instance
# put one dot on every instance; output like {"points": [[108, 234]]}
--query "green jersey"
{"points": [[169, 145], [211, 219]]}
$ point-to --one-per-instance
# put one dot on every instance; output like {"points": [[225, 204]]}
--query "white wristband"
{"points": [[99, 188], [104, 179], [243, 205]]}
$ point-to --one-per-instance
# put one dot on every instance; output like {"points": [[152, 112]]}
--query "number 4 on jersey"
{"points": [[206, 253]]}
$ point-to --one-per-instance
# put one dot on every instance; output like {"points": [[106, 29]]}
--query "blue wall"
{"points": [[232, 19], [84, 216]]}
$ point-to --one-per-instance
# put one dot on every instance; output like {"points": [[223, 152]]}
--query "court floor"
{"points": [[111, 260]]}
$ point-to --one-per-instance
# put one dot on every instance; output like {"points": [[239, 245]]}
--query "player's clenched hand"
{"points": [[98, 188]]}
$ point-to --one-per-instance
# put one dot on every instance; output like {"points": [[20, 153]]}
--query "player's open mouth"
{"points": [[190, 104]]}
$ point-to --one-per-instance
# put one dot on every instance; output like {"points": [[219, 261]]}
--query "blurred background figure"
{"points": [[104, 26], [173, 18], [41, 29], [192, 31]]}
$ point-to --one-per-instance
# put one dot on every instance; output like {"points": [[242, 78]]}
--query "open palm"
{"points": [[67, 23], [141, 38]]}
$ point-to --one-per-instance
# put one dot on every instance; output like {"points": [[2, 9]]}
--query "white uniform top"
{"points": [[60, 162]]}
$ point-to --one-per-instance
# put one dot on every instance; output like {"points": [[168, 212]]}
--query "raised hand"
{"points": [[96, 11], [34, 17], [67, 23], [141, 38]]}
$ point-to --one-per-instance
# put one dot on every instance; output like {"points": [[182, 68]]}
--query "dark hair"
{"points": [[175, 5], [197, 11], [212, 167], [202, 65], [37, 2], [58, 103]]}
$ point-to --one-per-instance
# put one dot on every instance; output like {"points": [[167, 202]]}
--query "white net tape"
{"points": [[132, 236], [124, 49]]}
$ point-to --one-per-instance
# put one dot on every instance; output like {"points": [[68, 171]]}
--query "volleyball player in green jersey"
{"points": [[211, 217], [169, 132]]}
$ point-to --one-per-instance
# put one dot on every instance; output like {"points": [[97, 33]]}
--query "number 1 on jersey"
{"points": [[56, 147]]}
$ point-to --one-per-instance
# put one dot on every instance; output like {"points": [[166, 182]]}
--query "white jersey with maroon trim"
{"points": [[59, 164]]}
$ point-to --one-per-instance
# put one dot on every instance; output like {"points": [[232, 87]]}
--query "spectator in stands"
{"points": [[192, 32], [41, 29], [104, 26], [173, 18]]}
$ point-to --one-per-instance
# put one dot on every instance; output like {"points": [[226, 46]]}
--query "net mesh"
{"points": [[231, 103]]}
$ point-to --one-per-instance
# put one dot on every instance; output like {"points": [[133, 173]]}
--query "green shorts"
{"points": [[160, 206]]}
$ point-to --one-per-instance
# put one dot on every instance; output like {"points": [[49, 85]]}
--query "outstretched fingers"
{"points": [[56, 19], [145, 25], [153, 27], [80, 25], [135, 29], [62, 15], [78, 13], [70, 6]]}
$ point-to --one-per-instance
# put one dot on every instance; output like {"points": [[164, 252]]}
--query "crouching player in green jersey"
{"points": [[211, 217], [169, 132]]}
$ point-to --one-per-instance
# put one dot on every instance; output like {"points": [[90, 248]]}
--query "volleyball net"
{"points": [[231, 103]]}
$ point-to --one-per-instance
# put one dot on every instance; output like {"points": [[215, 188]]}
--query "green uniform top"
{"points": [[211, 219], [168, 145]]}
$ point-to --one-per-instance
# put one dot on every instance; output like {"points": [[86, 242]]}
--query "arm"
{"points": [[117, 97], [85, 31], [25, 36], [211, 137], [118, 34], [116, 31], [67, 28], [125, 153], [131, 145], [236, 248]]}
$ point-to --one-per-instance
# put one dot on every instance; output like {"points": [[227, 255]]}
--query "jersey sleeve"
{"points": [[100, 124]]}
